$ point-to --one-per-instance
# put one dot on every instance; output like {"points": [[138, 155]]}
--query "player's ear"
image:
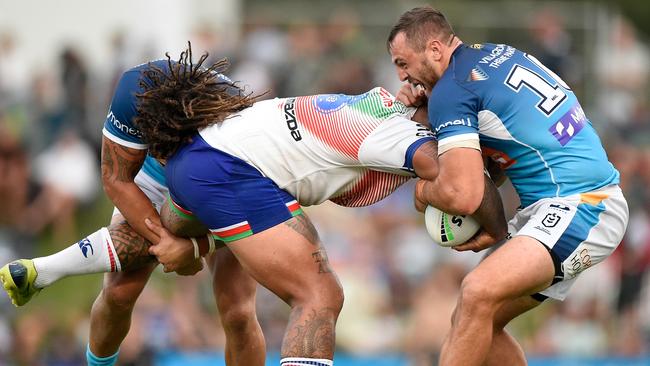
{"points": [[434, 48]]}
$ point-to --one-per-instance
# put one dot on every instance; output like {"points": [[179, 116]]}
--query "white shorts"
{"points": [[580, 230], [155, 191]]}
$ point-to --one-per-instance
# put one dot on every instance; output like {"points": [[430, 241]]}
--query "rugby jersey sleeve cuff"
{"points": [[469, 140], [120, 141]]}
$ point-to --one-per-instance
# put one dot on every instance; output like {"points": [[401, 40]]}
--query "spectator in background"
{"points": [[74, 79], [304, 68], [264, 49], [18, 191], [551, 43], [623, 66], [69, 175], [14, 74], [428, 323]]}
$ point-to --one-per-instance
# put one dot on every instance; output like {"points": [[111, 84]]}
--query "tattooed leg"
{"points": [[118, 248], [131, 248], [289, 260]]}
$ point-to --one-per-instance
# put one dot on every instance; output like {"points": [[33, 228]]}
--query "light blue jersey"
{"points": [[526, 118]]}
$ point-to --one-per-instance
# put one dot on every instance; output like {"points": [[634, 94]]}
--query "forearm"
{"points": [[490, 213], [456, 188], [134, 205]]}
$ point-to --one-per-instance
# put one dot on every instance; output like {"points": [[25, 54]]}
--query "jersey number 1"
{"points": [[552, 96]]}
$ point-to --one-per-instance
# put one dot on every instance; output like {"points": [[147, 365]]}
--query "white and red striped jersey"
{"points": [[353, 150]]}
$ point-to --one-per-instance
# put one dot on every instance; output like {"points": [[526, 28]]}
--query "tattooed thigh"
{"points": [[303, 226], [132, 249]]}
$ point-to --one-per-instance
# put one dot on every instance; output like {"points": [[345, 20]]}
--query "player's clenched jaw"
{"points": [[413, 66], [421, 44]]}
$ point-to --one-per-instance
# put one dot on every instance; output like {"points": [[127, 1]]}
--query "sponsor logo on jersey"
{"points": [[122, 126], [569, 125], [499, 54], [476, 46], [580, 261], [85, 246], [477, 74], [557, 206], [423, 131], [457, 122], [551, 219], [328, 103], [387, 98], [502, 159], [290, 118]]}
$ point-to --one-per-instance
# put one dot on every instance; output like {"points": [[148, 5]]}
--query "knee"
{"points": [[328, 297], [336, 298], [237, 317], [476, 296], [117, 299]]}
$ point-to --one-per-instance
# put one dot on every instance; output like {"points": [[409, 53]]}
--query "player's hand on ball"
{"points": [[193, 268], [482, 240], [174, 253]]}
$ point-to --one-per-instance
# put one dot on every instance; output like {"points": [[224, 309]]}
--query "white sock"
{"points": [[93, 254], [300, 361]]}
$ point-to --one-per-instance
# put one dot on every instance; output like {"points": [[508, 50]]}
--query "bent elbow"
{"points": [[109, 189]]}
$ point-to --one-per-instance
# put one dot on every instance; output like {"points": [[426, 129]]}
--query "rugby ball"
{"points": [[449, 230]]}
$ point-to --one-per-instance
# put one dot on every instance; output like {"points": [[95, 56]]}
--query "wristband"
{"points": [[211, 243], [196, 248]]}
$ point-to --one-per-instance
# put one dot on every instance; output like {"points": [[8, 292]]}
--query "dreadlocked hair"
{"points": [[175, 103]]}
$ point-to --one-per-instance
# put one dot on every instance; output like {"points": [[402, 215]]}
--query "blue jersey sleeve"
{"points": [[118, 126], [453, 114]]}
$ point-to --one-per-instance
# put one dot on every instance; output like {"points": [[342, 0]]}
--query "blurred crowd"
{"points": [[400, 288]]}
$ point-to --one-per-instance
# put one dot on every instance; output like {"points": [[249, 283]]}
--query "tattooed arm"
{"points": [[119, 166]]}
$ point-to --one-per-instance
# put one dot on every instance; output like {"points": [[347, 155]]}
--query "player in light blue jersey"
{"points": [[496, 101]]}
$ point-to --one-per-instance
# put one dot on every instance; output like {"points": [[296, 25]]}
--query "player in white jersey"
{"points": [[499, 101], [246, 175]]}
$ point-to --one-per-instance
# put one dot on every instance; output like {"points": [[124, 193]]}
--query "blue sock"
{"points": [[100, 361]]}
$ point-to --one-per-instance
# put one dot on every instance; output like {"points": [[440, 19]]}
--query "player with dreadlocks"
{"points": [[135, 182]]}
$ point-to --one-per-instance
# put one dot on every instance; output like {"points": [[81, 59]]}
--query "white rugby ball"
{"points": [[449, 230]]}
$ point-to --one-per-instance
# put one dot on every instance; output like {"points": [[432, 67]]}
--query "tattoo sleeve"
{"points": [[132, 249], [120, 163], [310, 335], [490, 212]]}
